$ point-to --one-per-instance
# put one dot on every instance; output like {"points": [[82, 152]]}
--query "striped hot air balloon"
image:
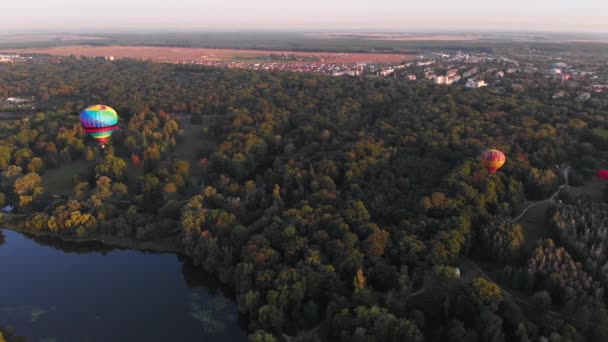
{"points": [[493, 160], [99, 121]]}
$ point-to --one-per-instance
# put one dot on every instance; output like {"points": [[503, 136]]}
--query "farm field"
{"points": [[178, 54], [47, 37]]}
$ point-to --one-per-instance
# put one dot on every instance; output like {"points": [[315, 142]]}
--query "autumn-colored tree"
{"points": [[502, 239], [28, 188], [359, 281], [36, 164], [375, 244], [483, 293], [89, 154]]}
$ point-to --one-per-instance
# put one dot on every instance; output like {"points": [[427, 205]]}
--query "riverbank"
{"points": [[167, 245]]}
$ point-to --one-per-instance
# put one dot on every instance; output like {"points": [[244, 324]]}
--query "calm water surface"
{"points": [[53, 291]]}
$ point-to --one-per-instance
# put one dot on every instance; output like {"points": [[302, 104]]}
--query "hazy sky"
{"points": [[91, 15]]}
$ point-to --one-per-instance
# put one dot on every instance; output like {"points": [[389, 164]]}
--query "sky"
{"points": [[288, 15]]}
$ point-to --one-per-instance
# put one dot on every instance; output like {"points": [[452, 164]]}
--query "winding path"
{"points": [[565, 173], [521, 300]]}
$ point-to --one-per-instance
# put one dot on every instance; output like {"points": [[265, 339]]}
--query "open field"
{"points": [[178, 54], [535, 226], [593, 188], [59, 181]]}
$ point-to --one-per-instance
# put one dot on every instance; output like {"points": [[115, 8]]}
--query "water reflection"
{"points": [[196, 277], [30, 312], [86, 247], [110, 294]]}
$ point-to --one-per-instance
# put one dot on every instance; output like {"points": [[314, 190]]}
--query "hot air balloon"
{"points": [[603, 174], [99, 121], [493, 160]]}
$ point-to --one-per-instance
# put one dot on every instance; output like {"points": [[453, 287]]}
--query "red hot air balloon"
{"points": [[603, 174], [493, 160]]}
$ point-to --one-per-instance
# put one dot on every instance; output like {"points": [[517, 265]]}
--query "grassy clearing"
{"points": [[593, 188], [193, 146], [535, 225], [59, 181], [191, 143]]}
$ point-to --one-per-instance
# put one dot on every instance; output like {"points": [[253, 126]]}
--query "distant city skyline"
{"points": [[281, 15]]}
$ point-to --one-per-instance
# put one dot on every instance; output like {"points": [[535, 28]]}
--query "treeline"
{"points": [[583, 228], [328, 201]]}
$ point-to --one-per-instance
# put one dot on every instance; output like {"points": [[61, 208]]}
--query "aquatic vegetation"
{"points": [[33, 312], [213, 317]]}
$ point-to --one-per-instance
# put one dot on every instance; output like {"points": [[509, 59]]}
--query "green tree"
{"points": [[271, 318], [112, 167], [261, 336]]}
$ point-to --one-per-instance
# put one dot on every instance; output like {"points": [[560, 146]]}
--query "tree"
{"points": [[502, 239], [35, 165], [9, 175], [135, 161], [375, 243], [28, 189], [271, 317], [261, 336], [483, 293], [540, 303], [359, 280], [112, 167], [455, 332], [182, 167], [5, 155], [489, 326], [89, 154]]}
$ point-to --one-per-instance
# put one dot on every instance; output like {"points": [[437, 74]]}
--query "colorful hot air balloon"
{"points": [[99, 121], [493, 160], [603, 174]]}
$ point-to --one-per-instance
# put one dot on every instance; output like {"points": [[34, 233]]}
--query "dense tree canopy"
{"points": [[326, 203]]}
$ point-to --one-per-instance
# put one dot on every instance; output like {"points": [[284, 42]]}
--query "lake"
{"points": [[55, 291]]}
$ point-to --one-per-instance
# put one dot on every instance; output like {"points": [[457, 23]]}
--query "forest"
{"points": [[337, 208]]}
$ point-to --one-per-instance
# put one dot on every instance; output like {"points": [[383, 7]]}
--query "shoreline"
{"points": [[167, 245]]}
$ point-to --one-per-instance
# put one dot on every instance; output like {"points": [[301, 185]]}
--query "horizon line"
{"points": [[194, 30]]}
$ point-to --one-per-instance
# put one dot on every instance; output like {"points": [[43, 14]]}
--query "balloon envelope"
{"points": [[603, 174], [493, 160], [99, 121]]}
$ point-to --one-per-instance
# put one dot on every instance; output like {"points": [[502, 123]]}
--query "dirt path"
{"points": [[468, 262], [560, 188], [483, 274]]}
